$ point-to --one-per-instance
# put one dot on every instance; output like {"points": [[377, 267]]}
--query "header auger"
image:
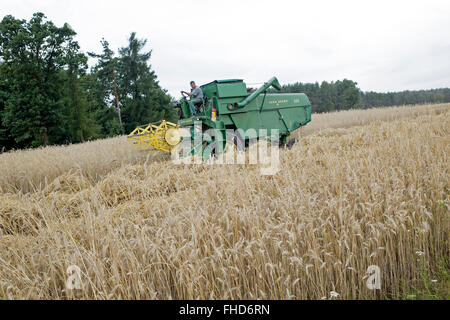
{"points": [[160, 136], [226, 105]]}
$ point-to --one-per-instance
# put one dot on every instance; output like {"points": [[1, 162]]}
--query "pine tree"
{"points": [[105, 91], [143, 100], [80, 122], [328, 96]]}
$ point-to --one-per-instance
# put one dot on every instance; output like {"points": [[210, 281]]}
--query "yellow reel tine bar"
{"points": [[153, 136]]}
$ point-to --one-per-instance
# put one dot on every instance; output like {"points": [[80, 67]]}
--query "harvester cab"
{"points": [[227, 105], [184, 101]]}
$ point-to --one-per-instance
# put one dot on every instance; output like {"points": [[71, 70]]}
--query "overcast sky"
{"points": [[383, 45]]}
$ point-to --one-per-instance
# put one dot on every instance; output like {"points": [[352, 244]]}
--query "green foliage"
{"points": [[5, 139], [343, 95], [143, 100], [100, 86], [127, 83], [339, 95], [375, 99], [431, 283], [34, 54], [47, 97]]}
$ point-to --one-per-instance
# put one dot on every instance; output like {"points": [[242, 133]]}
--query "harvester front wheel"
{"points": [[232, 143], [291, 143]]}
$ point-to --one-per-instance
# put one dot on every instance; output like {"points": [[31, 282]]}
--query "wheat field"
{"points": [[360, 188]]}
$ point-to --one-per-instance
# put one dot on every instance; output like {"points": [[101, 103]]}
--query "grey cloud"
{"points": [[382, 46]]}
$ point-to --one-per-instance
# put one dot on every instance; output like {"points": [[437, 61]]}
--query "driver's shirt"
{"points": [[197, 93]]}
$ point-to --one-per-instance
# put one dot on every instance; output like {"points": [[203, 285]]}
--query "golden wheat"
{"points": [[362, 192]]}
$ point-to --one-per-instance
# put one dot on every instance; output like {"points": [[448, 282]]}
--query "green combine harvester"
{"points": [[227, 107]]}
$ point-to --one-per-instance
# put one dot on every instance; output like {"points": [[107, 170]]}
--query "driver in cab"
{"points": [[196, 95]]}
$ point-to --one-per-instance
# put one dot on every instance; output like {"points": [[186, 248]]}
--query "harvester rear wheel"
{"points": [[291, 143]]}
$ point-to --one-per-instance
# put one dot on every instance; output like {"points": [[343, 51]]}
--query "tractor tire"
{"points": [[232, 141]]}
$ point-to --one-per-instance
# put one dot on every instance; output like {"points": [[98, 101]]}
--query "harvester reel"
{"points": [[173, 136], [162, 136]]}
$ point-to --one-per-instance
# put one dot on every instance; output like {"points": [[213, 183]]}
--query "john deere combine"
{"points": [[228, 106]]}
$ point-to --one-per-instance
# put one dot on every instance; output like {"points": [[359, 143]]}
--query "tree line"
{"points": [[49, 95], [345, 94]]}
